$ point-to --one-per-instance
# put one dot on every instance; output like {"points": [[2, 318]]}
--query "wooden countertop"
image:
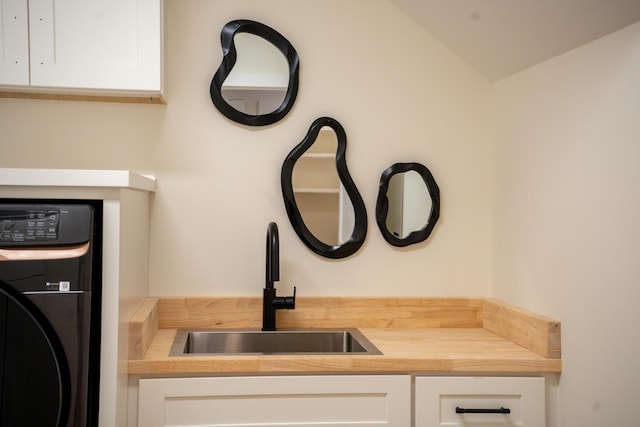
{"points": [[415, 335]]}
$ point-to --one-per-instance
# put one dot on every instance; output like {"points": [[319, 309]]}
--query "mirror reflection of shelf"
{"points": [[319, 193], [254, 100], [329, 156], [257, 84], [316, 190], [254, 93], [316, 171], [321, 208]]}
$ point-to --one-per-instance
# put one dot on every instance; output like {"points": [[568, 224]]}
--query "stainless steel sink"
{"points": [[293, 341]]}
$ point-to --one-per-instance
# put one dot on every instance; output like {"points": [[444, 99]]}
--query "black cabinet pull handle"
{"points": [[501, 410]]}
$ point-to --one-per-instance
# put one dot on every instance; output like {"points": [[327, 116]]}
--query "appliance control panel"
{"points": [[31, 225]]}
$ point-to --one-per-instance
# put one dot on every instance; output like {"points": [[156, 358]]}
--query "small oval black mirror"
{"points": [[235, 98], [408, 205]]}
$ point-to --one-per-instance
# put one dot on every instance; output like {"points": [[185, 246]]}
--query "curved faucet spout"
{"points": [[273, 255], [271, 302]]}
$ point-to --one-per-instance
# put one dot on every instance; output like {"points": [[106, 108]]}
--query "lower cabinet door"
{"points": [[276, 401], [479, 401]]}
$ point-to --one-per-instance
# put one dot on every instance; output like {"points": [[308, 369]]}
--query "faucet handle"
{"points": [[291, 301], [285, 302]]}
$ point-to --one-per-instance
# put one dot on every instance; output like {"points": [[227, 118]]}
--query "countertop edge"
{"points": [[278, 365]]}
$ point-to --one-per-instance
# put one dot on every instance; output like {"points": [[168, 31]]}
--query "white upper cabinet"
{"points": [[14, 42], [86, 45]]}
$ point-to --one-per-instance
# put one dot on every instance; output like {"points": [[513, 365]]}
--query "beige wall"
{"points": [[567, 209], [563, 175], [400, 95]]}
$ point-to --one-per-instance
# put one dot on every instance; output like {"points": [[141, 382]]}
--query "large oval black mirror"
{"points": [[257, 81], [408, 205], [321, 199]]}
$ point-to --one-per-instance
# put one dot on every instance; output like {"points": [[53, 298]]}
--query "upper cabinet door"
{"points": [[14, 43], [96, 44]]}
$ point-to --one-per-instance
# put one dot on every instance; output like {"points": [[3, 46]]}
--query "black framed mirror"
{"points": [[256, 83], [408, 205], [318, 191]]}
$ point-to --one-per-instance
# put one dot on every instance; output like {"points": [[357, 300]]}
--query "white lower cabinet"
{"points": [[276, 401], [479, 401], [342, 401]]}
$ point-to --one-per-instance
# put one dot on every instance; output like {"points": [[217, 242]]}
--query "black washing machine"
{"points": [[50, 288]]}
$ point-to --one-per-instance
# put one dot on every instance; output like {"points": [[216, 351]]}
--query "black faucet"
{"points": [[271, 302]]}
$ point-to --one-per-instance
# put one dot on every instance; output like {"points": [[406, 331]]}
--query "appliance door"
{"points": [[34, 373]]}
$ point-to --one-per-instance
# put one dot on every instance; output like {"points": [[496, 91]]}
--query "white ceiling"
{"points": [[502, 37]]}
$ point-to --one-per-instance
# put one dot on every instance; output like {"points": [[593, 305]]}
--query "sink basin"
{"points": [[292, 341]]}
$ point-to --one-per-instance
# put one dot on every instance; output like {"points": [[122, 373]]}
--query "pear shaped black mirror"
{"points": [[321, 199], [408, 205], [257, 81]]}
